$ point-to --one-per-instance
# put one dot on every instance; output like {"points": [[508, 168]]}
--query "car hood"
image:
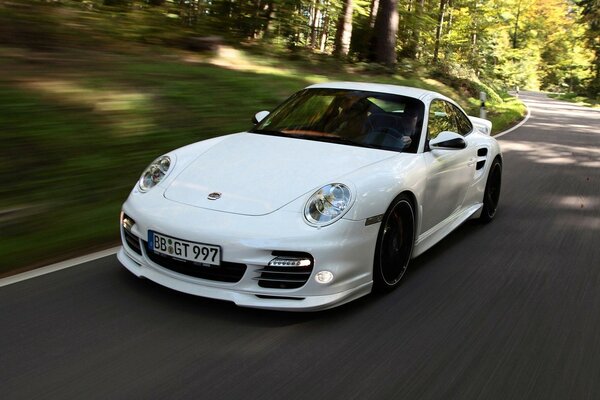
{"points": [[257, 174]]}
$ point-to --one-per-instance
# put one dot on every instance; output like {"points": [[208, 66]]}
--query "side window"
{"points": [[464, 124], [441, 118]]}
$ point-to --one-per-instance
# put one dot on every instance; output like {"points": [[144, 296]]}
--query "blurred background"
{"points": [[92, 91]]}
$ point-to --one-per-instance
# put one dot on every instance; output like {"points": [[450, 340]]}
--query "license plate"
{"points": [[183, 249]]}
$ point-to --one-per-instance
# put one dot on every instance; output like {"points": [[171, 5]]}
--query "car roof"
{"points": [[380, 88]]}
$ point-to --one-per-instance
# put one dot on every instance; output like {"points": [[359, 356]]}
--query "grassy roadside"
{"points": [[79, 127], [507, 114], [574, 98]]}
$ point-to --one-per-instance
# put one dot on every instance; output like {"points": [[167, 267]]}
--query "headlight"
{"points": [[328, 204], [155, 173]]}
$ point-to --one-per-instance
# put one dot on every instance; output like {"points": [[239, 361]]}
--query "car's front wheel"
{"points": [[394, 244], [491, 196]]}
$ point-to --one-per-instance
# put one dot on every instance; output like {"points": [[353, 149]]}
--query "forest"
{"points": [[537, 44], [550, 45]]}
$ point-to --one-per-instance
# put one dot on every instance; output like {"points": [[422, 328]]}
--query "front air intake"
{"points": [[288, 270], [132, 240]]}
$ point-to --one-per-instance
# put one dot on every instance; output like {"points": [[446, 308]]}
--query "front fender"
{"points": [[377, 187]]}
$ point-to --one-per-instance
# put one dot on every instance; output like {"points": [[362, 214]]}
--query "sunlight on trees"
{"points": [[539, 44]]}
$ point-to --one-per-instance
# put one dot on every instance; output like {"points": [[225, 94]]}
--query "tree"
{"points": [[373, 12], [553, 44], [591, 16], [412, 48], [438, 31], [516, 31], [385, 31], [343, 33]]}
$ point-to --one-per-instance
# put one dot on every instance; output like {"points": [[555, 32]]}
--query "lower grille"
{"points": [[132, 241], [226, 272], [266, 296]]}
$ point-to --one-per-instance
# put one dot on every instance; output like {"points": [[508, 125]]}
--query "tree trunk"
{"points": [[412, 50], [269, 17], [514, 41], [373, 15], [405, 26], [449, 24], [447, 48], [474, 55], [313, 24], [324, 33], [255, 26], [343, 34], [386, 28], [438, 31]]}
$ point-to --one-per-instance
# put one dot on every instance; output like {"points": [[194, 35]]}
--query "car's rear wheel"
{"points": [[394, 244], [491, 196]]}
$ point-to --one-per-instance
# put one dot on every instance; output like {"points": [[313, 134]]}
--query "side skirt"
{"points": [[441, 230]]}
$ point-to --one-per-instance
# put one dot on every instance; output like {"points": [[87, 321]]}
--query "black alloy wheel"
{"points": [[491, 196], [394, 244]]}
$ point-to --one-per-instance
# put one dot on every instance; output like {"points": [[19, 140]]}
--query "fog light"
{"points": [[324, 277], [290, 262]]}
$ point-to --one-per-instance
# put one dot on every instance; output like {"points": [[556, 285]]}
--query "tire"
{"points": [[394, 246], [491, 196]]}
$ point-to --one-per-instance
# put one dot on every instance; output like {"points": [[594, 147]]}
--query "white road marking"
{"points": [[58, 266], [516, 126]]}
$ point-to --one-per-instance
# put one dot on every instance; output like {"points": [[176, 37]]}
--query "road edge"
{"points": [[34, 273], [509, 130]]}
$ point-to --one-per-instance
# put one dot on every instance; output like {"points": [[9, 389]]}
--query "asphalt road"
{"points": [[510, 310]]}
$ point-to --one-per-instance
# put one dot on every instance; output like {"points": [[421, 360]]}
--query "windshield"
{"points": [[352, 117]]}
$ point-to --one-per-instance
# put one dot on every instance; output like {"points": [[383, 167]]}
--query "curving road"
{"points": [[509, 310]]}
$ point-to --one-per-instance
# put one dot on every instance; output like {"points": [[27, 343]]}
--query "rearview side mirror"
{"points": [[448, 141], [259, 116]]}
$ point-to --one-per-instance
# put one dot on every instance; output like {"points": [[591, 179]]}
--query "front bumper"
{"points": [[256, 299], [345, 248]]}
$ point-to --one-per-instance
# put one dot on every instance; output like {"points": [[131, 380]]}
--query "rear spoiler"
{"points": [[482, 125]]}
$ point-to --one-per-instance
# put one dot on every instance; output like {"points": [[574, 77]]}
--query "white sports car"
{"points": [[327, 198]]}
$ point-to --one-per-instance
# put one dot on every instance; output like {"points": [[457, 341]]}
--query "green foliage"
{"points": [[506, 114], [590, 15], [464, 81], [548, 44], [578, 99]]}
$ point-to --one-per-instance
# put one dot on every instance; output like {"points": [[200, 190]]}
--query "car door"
{"points": [[449, 171]]}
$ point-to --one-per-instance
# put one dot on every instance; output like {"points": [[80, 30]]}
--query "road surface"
{"points": [[509, 310]]}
